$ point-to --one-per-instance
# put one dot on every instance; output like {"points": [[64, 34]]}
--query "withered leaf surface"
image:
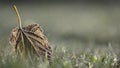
{"points": [[30, 41]]}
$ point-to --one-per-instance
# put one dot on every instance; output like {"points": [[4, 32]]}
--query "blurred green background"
{"points": [[70, 24]]}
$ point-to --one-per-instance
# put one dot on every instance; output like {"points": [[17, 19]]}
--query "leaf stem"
{"points": [[19, 18]]}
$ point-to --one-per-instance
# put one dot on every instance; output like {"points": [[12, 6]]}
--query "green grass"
{"points": [[62, 58]]}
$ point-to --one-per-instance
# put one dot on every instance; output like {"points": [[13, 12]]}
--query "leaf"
{"points": [[29, 41]]}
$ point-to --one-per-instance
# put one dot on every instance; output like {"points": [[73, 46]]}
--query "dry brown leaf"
{"points": [[30, 41]]}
